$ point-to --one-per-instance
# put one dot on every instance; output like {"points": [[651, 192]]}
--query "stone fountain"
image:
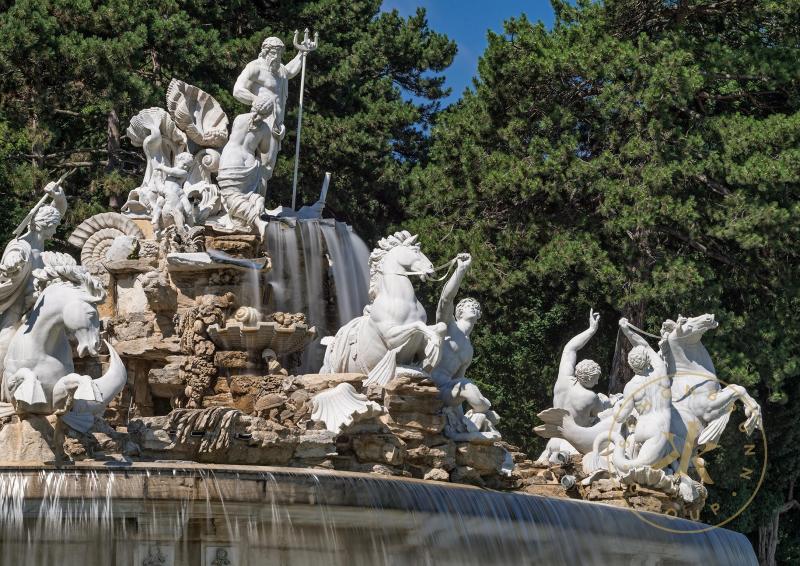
{"points": [[223, 384]]}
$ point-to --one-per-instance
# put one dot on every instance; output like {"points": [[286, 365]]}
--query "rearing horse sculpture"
{"points": [[703, 403], [39, 376], [393, 329]]}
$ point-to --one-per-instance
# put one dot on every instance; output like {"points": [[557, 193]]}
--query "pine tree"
{"points": [[73, 73], [641, 158]]}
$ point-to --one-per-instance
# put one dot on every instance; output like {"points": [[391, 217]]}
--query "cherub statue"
{"points": [[173, 206]]}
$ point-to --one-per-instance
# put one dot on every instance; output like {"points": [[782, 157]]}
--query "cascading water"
{"points": [[319, 267], [260, 516]]}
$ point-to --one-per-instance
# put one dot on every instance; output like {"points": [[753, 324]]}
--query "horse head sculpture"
{"points": [[398, 254], [393, 329], [681, 344], [703, 402], [39, 374], [688, 330]]}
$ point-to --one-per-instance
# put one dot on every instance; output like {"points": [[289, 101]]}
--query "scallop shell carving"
{"points": [[341, 406], [198, 114]]}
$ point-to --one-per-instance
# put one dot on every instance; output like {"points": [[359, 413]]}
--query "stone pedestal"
{"points": [[28, 439]]}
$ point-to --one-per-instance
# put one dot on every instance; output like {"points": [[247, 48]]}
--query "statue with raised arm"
{"points": [[266, 78], [649, 394], [21, 257], [572, 423], [248, 159], [457, 352]]}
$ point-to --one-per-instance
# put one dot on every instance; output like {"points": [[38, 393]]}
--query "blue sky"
{"points": [[466, 22]]}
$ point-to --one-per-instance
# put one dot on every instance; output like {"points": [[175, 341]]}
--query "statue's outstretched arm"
{"points": [[59, 198], [635, 338], [446, 307], [569, 356], [293, 67]]}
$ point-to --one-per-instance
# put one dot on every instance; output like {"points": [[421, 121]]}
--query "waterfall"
{"points": [[319, 267], [169, 513]]}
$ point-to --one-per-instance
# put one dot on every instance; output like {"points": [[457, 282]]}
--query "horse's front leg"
{"points": [[722, 401], [398, 336]]}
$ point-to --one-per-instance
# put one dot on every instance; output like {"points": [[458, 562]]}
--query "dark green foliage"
{"points": [[641, 157], [73, 73]]}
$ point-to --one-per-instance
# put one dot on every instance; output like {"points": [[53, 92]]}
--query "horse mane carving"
{"points": [[61, 268], [385, 245]]}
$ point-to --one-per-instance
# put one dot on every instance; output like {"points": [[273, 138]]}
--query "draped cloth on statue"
{"points": [[241, 190]]}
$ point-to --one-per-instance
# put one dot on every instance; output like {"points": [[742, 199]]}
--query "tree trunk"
{"points": [[769, 534], [112, 145]]}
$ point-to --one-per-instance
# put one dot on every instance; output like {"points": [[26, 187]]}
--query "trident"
{"points": [[305, 47]]}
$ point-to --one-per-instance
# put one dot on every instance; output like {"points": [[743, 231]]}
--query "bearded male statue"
{"points": [[266, 78]]}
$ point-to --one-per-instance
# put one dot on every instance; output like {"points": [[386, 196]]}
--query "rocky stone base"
{"points": [[640, 498], [37, 439], [266, 420], [642, 489]]}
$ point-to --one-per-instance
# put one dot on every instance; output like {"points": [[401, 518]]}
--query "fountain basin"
{"points": [[187, 514], [280, 339]]}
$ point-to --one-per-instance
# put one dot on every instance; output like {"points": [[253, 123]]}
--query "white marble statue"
{"points": [[241, 171], [157, 134], [577, 407], [248, 159], [393, 330], [172, 206], [39, 375], [21, 257], [701, 400], [180, 157], [648, 393], [265, 82], [457, 352], [669, 409]]}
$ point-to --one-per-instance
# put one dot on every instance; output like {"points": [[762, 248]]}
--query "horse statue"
{"points": [[39, 376], [393, 329], [702, 402]]}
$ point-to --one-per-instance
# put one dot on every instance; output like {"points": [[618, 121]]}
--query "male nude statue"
{"points": [[267, 78], [572, 391], [457, 353], [649, 392]]}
